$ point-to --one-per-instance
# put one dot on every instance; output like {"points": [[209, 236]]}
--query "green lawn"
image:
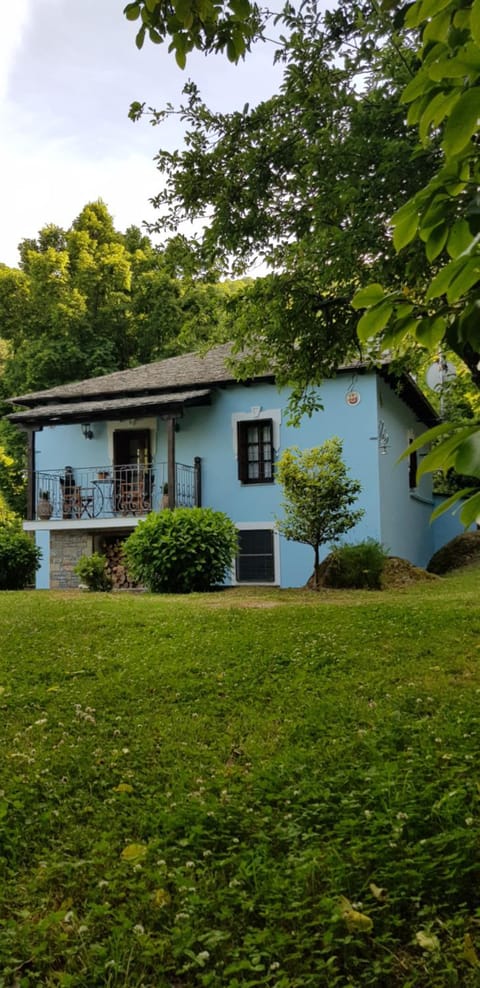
{"points": [[268, 788]]}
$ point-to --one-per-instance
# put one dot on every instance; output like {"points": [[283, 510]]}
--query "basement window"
{"points": [[255, 562]]}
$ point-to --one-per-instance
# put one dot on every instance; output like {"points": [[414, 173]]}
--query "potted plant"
{"points": [[44, 506], [165, 496]]}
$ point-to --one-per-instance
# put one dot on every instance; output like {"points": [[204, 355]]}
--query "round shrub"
{"points": [[19, 558], [357, 566], [181, 551], [92, 571]]}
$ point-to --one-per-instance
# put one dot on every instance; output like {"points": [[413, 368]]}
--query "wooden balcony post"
{"points": [[171, 466], [30, 474], [198, 481]]}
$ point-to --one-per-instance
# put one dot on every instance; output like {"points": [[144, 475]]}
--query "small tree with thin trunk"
{"points": [[319, 496]]}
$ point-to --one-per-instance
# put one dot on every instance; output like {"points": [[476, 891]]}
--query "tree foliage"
{"points": [[444, 215], [91, 300], [208, 25], [319, 496], [304, 183]]}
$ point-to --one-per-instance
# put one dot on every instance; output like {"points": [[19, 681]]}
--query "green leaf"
{"points": [[435, 111], [405, 226], [460, 238], [418, 86], [475, 21], [427, 437], [180, 58], [469, 275], [443, 456], [449, 502], [241, 8], [367, 296], [437, 29], [462, 122], [437, 240], [373, 321], [132, 11], [183, 10], [140, 37], [430, 332], [134, 853], [471, 510], [467, 460], [432, 7], [442, 280]]}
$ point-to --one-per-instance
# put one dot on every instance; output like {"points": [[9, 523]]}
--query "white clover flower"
{"points": [[203, 956], [469, 821], [274, 966], [139, 929]]}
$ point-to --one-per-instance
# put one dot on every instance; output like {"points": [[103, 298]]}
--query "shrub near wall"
{"points": [[19, 558], [182, 551]]}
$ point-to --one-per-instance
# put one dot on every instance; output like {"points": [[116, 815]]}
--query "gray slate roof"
{"points": [[188, 371], [172, 383], [79, 411]]}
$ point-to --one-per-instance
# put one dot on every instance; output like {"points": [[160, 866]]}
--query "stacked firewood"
{"points": [[112, 548]]}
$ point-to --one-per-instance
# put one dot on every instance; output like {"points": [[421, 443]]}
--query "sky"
{"points": [[68, 73]]}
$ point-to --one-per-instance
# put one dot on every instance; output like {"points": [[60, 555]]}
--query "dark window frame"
{"points": [[412, 469], [245, 446]]}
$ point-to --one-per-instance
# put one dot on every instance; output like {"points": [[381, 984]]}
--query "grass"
{"points": [[273, 788]]}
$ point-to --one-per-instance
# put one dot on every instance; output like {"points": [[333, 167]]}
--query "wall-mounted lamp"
{"points": [[382, 438], [86, 430]]}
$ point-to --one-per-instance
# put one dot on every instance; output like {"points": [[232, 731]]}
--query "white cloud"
{"points": [[14, 21]]}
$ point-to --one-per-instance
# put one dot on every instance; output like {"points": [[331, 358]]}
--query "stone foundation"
{"points": [[65, 551]]}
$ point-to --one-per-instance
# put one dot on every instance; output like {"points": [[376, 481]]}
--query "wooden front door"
{"points": [[132, 471]]}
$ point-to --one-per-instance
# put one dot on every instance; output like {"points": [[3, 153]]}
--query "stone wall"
{"points": [[65, 551]]}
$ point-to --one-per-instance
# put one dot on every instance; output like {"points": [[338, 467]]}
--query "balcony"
{"points": [[114, 492]]}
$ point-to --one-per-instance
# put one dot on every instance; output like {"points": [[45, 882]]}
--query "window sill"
{"points": [[420, 497]]}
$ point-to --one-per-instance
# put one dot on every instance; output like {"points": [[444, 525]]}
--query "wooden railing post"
{"points": [[31, 476], [198, 481], [171, 466]]}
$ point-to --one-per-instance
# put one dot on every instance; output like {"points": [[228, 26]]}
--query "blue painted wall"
{"points": [[42, 579], [391, 514], [405, 513]]}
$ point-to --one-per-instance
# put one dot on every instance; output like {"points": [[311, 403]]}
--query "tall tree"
{"points": [[318, 496], [305, 183], [444, 216]]}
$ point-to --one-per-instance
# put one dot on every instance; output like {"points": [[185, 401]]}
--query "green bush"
{"points": [[92, 571], [181, 551], [357, 566], [19, 558]]}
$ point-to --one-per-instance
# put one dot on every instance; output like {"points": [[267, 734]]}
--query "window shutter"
{"points": [[242, 452]]}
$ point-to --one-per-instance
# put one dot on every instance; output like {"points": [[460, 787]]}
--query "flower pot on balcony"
{"points": [[44, 507]]}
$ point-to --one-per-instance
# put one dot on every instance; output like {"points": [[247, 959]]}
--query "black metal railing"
{"points": [[112, 492]]}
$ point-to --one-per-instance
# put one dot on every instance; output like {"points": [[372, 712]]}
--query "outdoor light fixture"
{"points": [[86, 430], [382, 438]]}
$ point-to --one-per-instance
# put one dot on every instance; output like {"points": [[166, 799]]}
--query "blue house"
{"points": [[105, 452]]}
